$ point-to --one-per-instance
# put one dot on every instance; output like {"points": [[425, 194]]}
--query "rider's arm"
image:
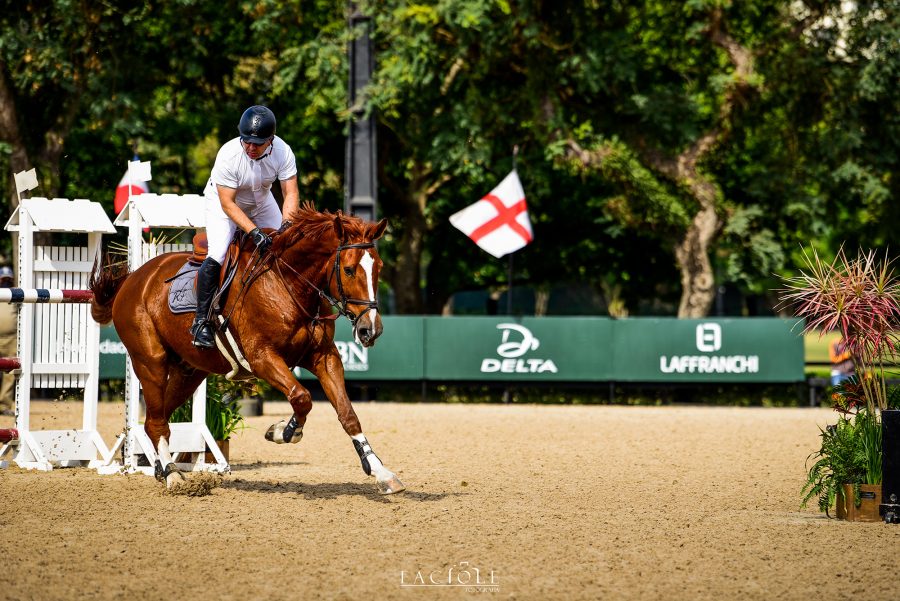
{"points": [[291, 194], [226, 198]]}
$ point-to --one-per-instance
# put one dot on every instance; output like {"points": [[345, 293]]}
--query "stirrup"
{"points": [[204, 336]]}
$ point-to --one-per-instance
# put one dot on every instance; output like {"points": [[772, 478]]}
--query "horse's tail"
{"points": [[105, 283]]}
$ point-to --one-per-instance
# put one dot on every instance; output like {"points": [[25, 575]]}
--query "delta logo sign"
{"points": [[708, 339], [515, 342]]}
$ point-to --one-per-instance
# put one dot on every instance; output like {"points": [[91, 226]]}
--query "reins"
{"points": [[341, 304], [258, 264], [255, 268]]}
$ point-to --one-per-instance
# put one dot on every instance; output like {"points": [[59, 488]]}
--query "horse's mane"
{"points": [[309, 224]]}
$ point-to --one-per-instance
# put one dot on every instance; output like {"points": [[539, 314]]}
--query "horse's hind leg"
{"points": [[161, 403]]}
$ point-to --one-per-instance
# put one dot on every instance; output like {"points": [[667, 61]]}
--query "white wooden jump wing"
{"points": [[58, 344], [187, 211]]}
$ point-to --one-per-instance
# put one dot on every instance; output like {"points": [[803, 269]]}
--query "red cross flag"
{"points": [[132, 183], [499, 222]]}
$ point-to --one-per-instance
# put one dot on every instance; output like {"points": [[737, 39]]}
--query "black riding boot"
{"points": [[207, 282]]}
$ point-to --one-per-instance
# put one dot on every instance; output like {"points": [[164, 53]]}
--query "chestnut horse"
{"points": [[279, 312]]}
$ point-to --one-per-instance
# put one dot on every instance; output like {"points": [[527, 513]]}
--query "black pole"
{"points": [[890, 466], [361, 186], [507, 393], [509, 283]]}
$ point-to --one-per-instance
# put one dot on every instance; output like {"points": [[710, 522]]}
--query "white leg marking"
{"points": [[378, 470], [166, 458], [162, 449]]}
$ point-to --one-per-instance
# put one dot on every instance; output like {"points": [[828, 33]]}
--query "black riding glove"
{"points": [[285, 225], [260, 239]]}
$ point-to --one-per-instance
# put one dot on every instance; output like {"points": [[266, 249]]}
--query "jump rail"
{"points": [[10, 363], [44, 295], [8, 434], [38, 295]]}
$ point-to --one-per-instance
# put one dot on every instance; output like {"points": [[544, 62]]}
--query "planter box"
{"points": [[223, 446], [870, 499]]}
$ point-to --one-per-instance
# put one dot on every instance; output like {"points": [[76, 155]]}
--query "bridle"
{"points": [[341, 303]]}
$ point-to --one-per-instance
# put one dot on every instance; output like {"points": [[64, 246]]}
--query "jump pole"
{"points": [[9, 438]]}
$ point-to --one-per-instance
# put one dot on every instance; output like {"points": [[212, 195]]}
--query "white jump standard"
{"points": [[58, 342]]}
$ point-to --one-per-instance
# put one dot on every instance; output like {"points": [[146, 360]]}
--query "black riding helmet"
{"points": [[257, 125]]}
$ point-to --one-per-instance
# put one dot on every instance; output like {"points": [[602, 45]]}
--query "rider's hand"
{"points": [[260, 239], [285, 225]]}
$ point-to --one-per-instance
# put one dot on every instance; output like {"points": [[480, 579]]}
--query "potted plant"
{"points": [[847, 473], [860, 298], [223, 411]]}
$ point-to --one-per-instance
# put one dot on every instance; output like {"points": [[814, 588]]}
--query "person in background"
{"points": [[9, 313], [842, 367]]}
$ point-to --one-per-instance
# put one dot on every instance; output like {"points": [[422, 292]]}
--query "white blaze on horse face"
{"points": [[367, 262]]}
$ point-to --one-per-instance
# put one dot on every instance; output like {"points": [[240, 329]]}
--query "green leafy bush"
{"points": [[842, 459], [860, 298], [223, 409]]}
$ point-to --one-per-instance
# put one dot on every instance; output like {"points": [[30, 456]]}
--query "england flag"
{"points": [[499, 222], [131, 182]]}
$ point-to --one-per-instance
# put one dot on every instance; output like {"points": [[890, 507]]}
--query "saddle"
{"points": [[183, 292], [183, 299]]}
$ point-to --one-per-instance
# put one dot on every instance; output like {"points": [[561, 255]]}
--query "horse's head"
{"points": [[354, 279]]}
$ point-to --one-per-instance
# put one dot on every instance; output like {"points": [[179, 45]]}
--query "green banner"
{"points": [[112, 354], [397, 354], [707, 350], [558, 349], [528, 349]]}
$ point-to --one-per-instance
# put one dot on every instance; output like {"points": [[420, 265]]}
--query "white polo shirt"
{"points": [[251, 178]]}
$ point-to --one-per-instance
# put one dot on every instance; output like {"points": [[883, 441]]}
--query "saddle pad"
{"points": [[182, 293]]}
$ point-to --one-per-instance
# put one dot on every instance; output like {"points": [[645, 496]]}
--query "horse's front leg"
{"points": [[329, 369], [276, 372]]}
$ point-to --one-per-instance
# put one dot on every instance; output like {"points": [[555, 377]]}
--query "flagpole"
{"points": [[509, 284], [509, 263], [507, 393]]}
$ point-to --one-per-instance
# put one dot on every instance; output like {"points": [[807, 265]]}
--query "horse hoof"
{"points": [[173, 476], [275, 434], [390, 486]]}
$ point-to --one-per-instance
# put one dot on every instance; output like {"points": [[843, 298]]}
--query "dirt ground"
{"points": [[543, 502]]}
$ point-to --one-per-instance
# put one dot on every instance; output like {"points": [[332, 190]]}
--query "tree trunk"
{"points": [[405, 275], [698, 290], [692, 252], [9, 133]]}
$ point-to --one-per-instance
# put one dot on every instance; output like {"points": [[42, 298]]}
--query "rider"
{"points": [[238, 195]]}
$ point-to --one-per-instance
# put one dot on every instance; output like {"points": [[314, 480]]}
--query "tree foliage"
{"points": [[665, 148]]}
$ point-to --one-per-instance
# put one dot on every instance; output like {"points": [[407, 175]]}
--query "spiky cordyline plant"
{"points": [[860, 298]]}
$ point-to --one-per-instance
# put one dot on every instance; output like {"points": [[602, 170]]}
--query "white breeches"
{"points": [[220, 229]]}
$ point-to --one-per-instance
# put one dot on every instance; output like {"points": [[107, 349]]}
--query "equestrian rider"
{"points": [[238, 195]]}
